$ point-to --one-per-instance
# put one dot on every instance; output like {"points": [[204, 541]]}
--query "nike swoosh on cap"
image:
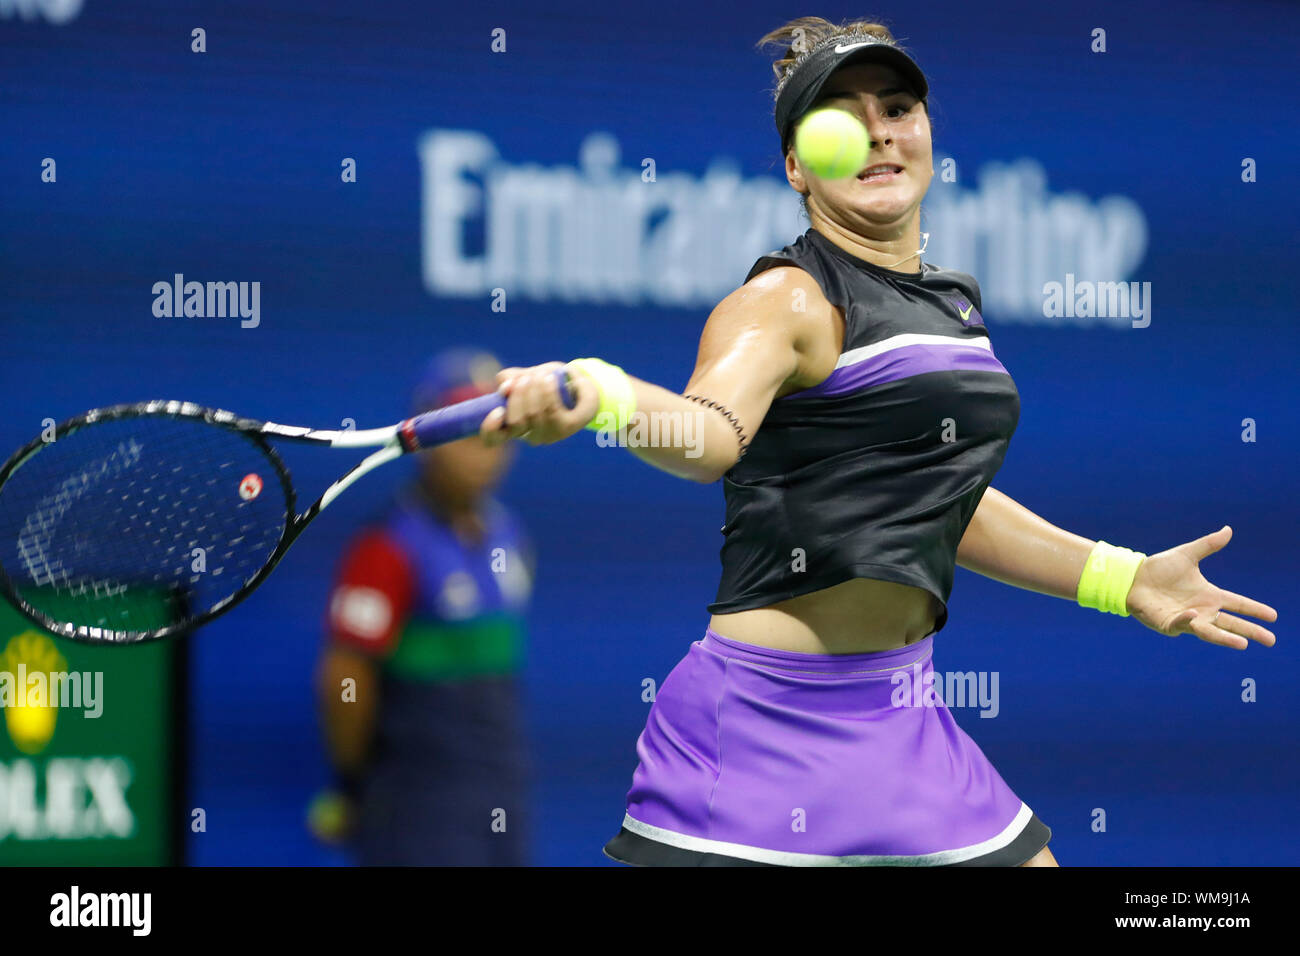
{"points": [[854, 46]]}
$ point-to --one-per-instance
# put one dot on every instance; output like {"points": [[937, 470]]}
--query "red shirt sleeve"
{"points": [[372, 596]]}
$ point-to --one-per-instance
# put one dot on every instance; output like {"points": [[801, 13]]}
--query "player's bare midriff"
{"points": [[859, 616]]}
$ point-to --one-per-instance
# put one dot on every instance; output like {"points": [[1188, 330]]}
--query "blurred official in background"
{"points": [[427, 618]]}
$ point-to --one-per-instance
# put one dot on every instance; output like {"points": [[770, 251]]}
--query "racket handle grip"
{"points": [[464, 418]]}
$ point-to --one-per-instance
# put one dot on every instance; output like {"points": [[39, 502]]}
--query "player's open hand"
{"points": [[1170, 595], [534, 411]]}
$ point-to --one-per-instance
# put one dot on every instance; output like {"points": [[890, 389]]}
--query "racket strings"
{"points": [[122, 523]]}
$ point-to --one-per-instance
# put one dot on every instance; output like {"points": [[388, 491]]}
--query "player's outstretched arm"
{"points": [[755, 342], [1009, 543]]}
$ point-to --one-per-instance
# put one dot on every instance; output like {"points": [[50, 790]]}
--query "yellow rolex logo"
{"points": [[30, 714]]}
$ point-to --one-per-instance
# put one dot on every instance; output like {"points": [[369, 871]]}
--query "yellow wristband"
{"points": [[1107, 578], [617, 399]]}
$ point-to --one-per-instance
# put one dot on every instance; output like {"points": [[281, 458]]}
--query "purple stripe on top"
{"points": [[902, 362]]}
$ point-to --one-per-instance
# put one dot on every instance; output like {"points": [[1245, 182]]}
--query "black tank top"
{"points": [[876, 471]]}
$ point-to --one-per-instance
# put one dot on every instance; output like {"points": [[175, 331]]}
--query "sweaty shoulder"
{"points": [[777, 300], [790, 294], [768, 338]]}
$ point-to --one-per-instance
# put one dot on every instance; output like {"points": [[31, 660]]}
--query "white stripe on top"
{"points": [[854, 356]]}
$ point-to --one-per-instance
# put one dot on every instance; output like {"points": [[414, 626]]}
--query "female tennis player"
{"points": [[850, 400]]}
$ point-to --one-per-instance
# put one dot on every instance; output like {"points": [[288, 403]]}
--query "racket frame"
{"points": [[256, 432], [438, 426]]}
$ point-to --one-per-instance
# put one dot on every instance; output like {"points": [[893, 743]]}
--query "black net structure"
{"points": [[134, 505]]}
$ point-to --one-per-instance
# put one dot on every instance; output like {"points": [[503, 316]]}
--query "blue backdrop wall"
{"points": [[615, 171]]}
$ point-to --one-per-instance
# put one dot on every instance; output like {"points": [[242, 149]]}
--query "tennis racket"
{"points": [[145, 521]]}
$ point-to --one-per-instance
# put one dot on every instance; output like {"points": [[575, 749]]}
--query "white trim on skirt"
{"points": [[783, 858]]}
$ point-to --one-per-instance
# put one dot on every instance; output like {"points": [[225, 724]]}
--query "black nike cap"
{"points": [[803, 81]]}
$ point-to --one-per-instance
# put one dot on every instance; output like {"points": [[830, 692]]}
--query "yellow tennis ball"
{"points": [[831, 144], [329, 816]]}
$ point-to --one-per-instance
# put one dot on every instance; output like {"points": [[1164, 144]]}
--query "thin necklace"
{"points": [[925, 241]]}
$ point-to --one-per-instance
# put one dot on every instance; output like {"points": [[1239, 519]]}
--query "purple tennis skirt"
{"points": [[753, 756]]}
